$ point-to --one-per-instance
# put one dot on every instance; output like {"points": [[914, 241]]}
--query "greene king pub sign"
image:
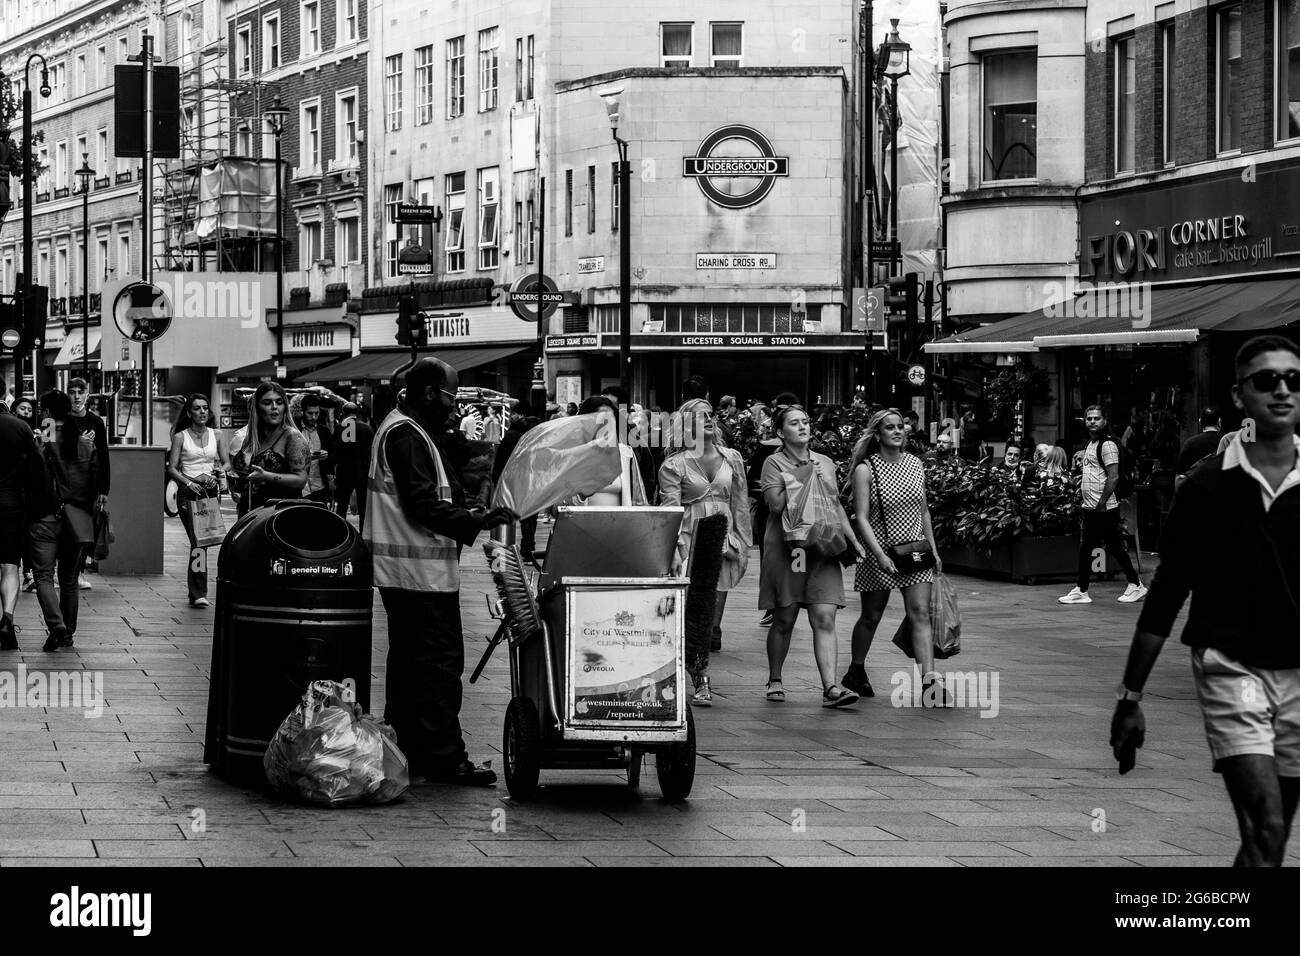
{"points": [[735, 181]]}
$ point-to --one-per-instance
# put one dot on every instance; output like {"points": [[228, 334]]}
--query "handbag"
{"points": [[103, 534], [908, 556], [207, 521], [80, 521]]}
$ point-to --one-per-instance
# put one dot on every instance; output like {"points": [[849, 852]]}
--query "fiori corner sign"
{"points": [[739, 180]]}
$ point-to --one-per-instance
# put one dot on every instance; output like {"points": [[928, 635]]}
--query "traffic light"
{"points": [[11, 327], [22, 324], [901, 299], [420, 330], [36, 312], [406, 319]]}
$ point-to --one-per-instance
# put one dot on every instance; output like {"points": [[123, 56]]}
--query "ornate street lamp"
{"points": [[276, 114], [86, 175], [893, 62], [613, 97]]}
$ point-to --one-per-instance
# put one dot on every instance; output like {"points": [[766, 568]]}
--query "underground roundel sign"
{"points": [[736, 166]]}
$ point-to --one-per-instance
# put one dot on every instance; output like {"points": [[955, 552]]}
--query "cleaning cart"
{"points": [[597, 663]]}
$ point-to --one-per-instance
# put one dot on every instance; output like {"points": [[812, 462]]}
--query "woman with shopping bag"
{"points": [[197, 463], [791, 578], [704, 477], [893, 518]]}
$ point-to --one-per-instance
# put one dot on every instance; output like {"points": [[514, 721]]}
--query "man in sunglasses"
{"points": [[416, 524], [1232, 540]]}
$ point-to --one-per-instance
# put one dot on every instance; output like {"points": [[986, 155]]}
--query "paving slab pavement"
{"points": [[777, 784]]}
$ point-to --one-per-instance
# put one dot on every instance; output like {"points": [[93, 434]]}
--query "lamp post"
{"points": [[27, 198], [893, 62], [613, 97], [275, 114], [86, 174]]}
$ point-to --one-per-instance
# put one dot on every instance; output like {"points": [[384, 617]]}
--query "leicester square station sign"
{"points": [[735, 181]]}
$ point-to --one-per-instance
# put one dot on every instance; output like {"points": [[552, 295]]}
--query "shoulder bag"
{"points": [[908, 556]]}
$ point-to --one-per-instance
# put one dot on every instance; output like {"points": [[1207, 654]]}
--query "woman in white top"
{"points": [[197, 463], [627, 490]]}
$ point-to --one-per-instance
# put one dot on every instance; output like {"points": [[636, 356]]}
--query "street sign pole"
{"points": [[146, 247], [539, 391]]}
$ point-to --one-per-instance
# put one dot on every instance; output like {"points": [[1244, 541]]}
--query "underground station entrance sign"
{"points": [[523, 297]]}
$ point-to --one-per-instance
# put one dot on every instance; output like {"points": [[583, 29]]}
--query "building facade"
{"points": [[1167, 233]]}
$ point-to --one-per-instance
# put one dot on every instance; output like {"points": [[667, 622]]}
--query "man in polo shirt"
{"points": [[1232, 540]]}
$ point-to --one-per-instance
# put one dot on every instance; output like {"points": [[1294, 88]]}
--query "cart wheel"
{"points": [[675, 765], [522, 748], [634, 768]]}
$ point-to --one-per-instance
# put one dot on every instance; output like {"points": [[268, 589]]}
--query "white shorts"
{"points": [[1249, 710]]}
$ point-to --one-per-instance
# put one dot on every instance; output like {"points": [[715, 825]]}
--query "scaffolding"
{"points": [[217, 199]]}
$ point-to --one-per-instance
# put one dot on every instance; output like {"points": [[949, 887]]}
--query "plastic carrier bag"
{"points": [[813, 519], [555, 461], [329, 753], [945, 621]]}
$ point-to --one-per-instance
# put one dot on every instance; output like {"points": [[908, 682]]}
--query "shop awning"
{"points": [[72, 350], [379, 366], [1158, 316], [265, 369]]}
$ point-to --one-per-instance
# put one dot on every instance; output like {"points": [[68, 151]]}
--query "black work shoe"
{"points": [[8, 636], [56, 639], [855, 679], [66, 640], [465, 774]]}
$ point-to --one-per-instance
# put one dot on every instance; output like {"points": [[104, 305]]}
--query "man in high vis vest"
{"points": [[415, 526]]}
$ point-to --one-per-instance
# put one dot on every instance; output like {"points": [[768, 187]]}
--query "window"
{"points": [[345, 137], [1288, 69], [101, 152], [124, 253], [393, 90], [310, 27], [392, 199], [455, 77], [455, 245], [1228, 36], [82, 155], [58, 83], [489, 218], [123, 51], [487, 69], [568, 202], [271, 41], [424, 231], [1010, 115], [424, 85], [309, 135], [677, 41], [591, 199], [101, 66], [615, 196], [529, 92], [61, 271], [43, 267], [268, 138], [309, 244], [1125, 97], [101, 273], [81, 79], [61, 166], [519, 69], [184, 33], [242, 141], [243, 50], [531, 232], [43, 177], [349, 31], [520, 238], [1169, 102], [726, 44], [347, 241]]}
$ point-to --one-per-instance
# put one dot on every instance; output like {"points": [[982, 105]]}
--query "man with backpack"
{"points": [[1107, 477], [1203, 446]]}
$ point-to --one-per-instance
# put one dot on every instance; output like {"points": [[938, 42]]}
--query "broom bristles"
{"points": [[506, 568]]}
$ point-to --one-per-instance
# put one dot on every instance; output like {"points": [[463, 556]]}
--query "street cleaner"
{"points": [[416, 525]]}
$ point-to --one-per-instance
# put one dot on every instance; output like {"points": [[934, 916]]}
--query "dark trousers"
{"points": [[1102, 527], [528, 536], [343, 494], [196, 570], [322, 495], [52, 542], [426, 657]]}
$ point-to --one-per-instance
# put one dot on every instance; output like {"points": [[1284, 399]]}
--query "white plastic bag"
{"points": [[555, 461]]}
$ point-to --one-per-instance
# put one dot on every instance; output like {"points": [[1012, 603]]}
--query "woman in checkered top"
{"points": [[889, 509]]}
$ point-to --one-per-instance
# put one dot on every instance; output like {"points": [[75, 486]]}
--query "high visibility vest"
{"points": [[405, 553]]}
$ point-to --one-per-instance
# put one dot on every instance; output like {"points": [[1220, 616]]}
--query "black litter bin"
{"points": [[294, 605]]}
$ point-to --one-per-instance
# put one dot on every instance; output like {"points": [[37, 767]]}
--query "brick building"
{"points": [[1142, 210]]}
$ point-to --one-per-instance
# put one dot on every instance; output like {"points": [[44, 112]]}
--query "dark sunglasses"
{"points": [[1266, 380]]}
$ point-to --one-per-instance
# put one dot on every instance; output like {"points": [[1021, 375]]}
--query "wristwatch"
{"points": [[1123, 693]]}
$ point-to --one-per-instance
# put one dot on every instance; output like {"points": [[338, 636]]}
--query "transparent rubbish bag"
{"points": [[329, 753], [555, 461]]}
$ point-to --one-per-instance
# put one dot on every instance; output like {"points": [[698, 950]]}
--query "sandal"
{"points": [[837, 696], [776, 693]]}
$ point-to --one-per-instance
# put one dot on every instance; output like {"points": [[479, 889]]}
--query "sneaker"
{"points": [[715, 643], [1132, 594], [1075, 597], [66, 639], [767, 620], [855, 679], [703, 695], [199, 602], [84, 583], [55, 640], [8, 636]]}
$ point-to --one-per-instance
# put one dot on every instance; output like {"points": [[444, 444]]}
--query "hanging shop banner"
{"points": [[624, 659]]}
